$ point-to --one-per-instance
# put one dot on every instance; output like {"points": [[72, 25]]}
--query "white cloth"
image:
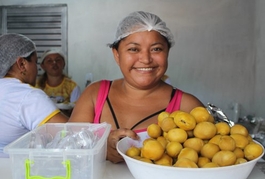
{"points": [[75, 94], [22, 109]]}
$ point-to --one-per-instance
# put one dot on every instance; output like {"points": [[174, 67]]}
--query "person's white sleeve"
{"points": [[75, 94], [36, 107]]}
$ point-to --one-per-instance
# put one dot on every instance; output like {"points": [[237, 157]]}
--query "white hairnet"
{"points": [[13, 46], [52, 51], [142, 21]]}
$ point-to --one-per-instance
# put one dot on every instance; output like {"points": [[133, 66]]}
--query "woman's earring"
{"points": [[23, 73]]}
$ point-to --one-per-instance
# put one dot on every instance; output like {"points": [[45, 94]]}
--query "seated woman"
{"points": [[23, 107], [130, 104], [54, 82]]}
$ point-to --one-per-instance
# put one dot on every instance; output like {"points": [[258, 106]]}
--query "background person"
{"points": [[132, 103], [23, 107], [54, 82]]}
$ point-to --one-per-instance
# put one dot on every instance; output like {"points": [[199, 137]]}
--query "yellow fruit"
{"points": [[154, 130], [227, 143], [205, 141], [200, 114], [165, 160], [210, 165], [241, 141], [163, 141], [173, 114], [167, 124], [162, 116], [239, 153], [209, 150], [202, 161], [211, 119], [142, 159], [147, 140], [204, 130], [252, 151], [164, 134], [194, 143], [240, 160], [224, 158], [215, 139], [190, 133], [133, 151], [222, 128], [239, 129], [189, 153], [185, 121], [249, 138], [152, 149], [185, 163], [177, 135], [173, 149]]}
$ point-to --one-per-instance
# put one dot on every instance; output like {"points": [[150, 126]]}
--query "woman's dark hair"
{"points": [[28, 58], [115, 45], [42, 80]]}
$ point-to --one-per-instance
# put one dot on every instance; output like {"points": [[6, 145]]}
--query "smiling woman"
{"points": [[133, 102]]}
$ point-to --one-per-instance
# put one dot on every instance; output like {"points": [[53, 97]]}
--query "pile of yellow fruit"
{"points": [[194, 140]]}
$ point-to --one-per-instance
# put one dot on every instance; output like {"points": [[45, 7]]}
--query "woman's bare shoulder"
{"points": [[92, 88], [189, 102], [84, 107]]}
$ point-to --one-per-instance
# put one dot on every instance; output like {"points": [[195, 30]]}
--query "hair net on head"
{"points": [[13, 46], [142, 21], [52, 51]]}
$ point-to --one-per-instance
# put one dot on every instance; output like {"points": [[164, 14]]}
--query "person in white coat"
{"points": [[22, 106]]}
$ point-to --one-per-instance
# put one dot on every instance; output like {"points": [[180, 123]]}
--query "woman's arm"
{"points": [[84, 106], [58, 118]]}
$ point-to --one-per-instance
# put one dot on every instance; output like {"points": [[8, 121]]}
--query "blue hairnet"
{"points": [[13, 46]]}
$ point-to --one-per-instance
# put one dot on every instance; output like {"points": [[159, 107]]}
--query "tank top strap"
{"points": [[175, 102], [101, 98]]}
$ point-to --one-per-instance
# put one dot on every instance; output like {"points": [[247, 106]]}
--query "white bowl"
{"points": [[143, 170]]}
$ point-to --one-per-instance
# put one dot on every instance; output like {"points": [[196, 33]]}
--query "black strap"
{"points": [[158, 112], [172, 93], [154, 114], [113, 114]]}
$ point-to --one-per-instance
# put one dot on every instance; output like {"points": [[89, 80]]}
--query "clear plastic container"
{"points": [[52, 163]]}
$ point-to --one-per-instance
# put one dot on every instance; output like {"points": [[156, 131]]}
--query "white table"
{"points": [[113, 171]]}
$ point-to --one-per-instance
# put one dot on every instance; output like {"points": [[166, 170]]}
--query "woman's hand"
{"points": [[114, 137]]}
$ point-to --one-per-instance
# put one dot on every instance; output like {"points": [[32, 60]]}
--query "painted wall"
{"points": [[217, 56], [259, 58]]}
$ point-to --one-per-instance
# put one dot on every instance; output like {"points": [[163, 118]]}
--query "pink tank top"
{"points": [[173, 105]]}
